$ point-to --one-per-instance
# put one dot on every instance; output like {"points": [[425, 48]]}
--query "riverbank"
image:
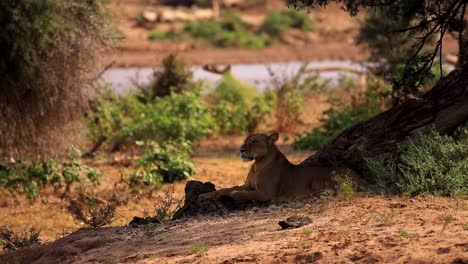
{"points": [[333, 39]]}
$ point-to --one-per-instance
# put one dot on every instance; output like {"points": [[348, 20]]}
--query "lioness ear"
{"points": [[274, 136]]}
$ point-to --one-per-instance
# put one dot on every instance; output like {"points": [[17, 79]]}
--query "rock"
{"points": [[137, 221], [222, 206], [295, 221], [193, 189], [150, 16], [171, 15]]}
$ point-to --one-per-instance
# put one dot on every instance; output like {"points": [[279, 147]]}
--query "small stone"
{"points": [[295, 221]]}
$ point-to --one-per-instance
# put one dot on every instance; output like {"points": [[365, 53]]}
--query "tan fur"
{"points": [[273, 177]]}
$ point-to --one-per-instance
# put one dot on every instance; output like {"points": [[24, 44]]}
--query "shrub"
{"points": [[157, 35], [91, 210], [277, 22], [258, 113], [288, 92], [50, 49], [429, 163], [112, 116], [233, 90], [178, 116], [342, 116], [166, 205], [230, 31], [163, 163], [238, 107], [183, 115], [230, 118], [241, 39], [289, 106], [346, 186], [207, 29], [299, 19], [29, 178], [174, 77], [171, 107], [9, 240]]}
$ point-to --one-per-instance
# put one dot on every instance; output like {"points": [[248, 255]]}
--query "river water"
{"points": [[121, 79]]}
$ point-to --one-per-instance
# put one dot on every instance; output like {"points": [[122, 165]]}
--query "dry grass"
{"points": [[92, 211]]}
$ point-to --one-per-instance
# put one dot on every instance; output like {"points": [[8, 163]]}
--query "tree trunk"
{"points": [[444, 108]]}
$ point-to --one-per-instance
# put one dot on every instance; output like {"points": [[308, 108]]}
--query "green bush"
{"points": [[163, 163], [174, 77], [113, 116], [277, 22], [299, 19], [238, 107], [229, 118], [234, 91], [431, 163], [342, 116], [230, 31], [241, 39], [172, 107], [207, 29], [184, 115], [158, 35], [29, 178]]}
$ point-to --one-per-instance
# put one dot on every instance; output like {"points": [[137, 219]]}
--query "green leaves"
{"points": [[277, 22], [30, 178], [430, 163], [342, 116], [238, 107], [163, 163]]}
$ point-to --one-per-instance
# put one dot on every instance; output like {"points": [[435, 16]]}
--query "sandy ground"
{"points": [[354, 230]]}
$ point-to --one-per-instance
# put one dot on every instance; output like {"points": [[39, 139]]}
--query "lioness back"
{"points": [[299, 180], [272, 176]]}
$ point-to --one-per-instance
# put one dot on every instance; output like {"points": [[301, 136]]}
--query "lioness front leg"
{"points": [[217, 194], [255, 195]]}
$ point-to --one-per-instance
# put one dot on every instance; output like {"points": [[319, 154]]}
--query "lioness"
{"points": [[272, 176]]}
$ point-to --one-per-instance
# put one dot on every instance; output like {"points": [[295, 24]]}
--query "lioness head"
{"points": [[257, 145]]}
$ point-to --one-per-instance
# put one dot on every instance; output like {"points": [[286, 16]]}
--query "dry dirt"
{"points": [[354, 230]]}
